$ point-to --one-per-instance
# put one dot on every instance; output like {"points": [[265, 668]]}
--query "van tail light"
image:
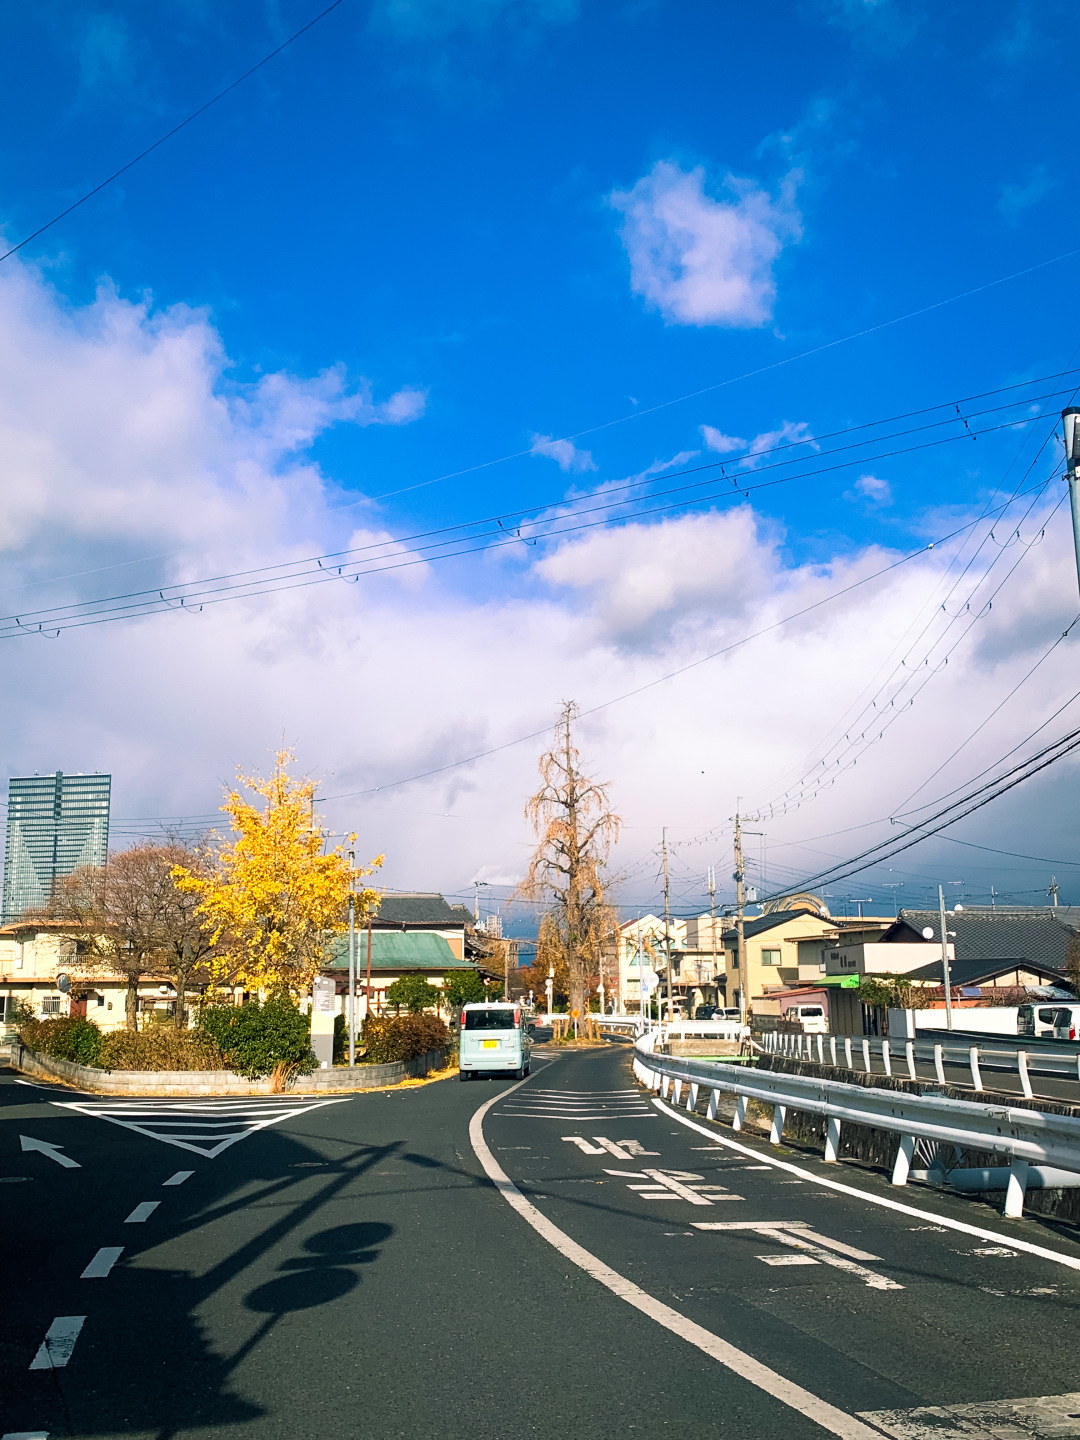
{"points": [[1072, 1032]]}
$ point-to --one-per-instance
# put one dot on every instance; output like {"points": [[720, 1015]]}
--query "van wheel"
{"points": [[528, 1069], [520, 1072], [463, 1075]]}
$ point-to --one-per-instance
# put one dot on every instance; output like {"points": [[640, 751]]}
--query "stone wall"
{"points": [[216, 1082]]}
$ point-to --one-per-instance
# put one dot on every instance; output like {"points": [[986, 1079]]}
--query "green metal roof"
{"points": [[395, 950]]}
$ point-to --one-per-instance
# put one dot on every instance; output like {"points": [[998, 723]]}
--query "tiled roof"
{"points": [[420, 909], [979, 972], [760, 923], [1037, 937], [395, 950]]}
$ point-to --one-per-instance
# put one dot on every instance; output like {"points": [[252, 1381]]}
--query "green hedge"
{"points": [[68, 1037], [160, 1048], [255, 1039], [387, 1038]]}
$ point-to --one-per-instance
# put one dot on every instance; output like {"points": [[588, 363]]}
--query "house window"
{"points": [[50, 1005], [733, 959], [770, 957], [100, 999]]}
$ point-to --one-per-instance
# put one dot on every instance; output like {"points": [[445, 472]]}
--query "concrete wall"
{"points": [[215, 1082]]}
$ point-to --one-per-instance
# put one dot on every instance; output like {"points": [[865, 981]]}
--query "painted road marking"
{"points": [[55, 1350], [198, 1125], [802, 1237], [788, 1259], [26, 1435], [944, 1221], [179, 1177], [671, 1185], [52, 1151], [142, 1212], [635, 1147], [787, 1392], [1038, 1416], [584, 1146], [102, 1263]]}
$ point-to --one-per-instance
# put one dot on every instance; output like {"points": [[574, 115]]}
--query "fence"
{"points": [[858, 1052], [1026, 1136]]}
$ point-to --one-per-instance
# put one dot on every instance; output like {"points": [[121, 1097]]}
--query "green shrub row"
{"points": [[255, 1039], [69, 1037], [387, 1038]]}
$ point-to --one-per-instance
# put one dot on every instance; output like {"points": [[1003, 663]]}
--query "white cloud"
{"points": [[565, 454], [721, 443], [702, 261], [791, 435], [874, 489], [123, 439]]}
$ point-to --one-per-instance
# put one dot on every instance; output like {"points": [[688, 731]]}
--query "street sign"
{"points": [[574, 1014]]}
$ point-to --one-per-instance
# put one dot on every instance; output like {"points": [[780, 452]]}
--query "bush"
{"points": [[402, 1037], [413, 993], [255, 1039], [68, 1037], [462, 987], [160, 1048]]}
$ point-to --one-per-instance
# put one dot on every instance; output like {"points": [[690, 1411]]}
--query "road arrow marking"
{"points": [[52, 1151]]}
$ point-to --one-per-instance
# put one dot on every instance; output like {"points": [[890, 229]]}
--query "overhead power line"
{"points": [[169, 133]]}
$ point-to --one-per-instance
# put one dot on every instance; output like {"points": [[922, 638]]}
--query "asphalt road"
{"points": [[366, 1266]]}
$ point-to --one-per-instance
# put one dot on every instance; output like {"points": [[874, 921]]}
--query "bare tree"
{"points": [[130, 919], [575, 826]]}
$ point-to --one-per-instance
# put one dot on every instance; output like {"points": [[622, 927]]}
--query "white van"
{"points": [[1049, 1022], [812, 1018], [494, 1039]]}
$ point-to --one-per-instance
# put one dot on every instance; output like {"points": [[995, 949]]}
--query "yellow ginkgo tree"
{"points": [[273, 892]]}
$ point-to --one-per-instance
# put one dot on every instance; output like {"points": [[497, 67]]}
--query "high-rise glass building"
{"points": [[54, 824]]}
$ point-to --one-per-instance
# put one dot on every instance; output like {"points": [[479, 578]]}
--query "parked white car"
{"points": [[1049, 1022], [812, 1018]]}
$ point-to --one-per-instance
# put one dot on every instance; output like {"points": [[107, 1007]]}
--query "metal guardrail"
{"points": [[676, 1029], [1026, 1136], [855, 1052]]}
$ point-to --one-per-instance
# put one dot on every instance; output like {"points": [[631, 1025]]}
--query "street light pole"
{"points": [[1069, 419], [945, 959], [550, 987]]}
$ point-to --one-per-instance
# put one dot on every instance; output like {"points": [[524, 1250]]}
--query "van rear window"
{"points": [[488, 1019]]}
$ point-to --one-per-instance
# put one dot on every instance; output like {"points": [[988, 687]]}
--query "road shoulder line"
{"points": [[836, 1422]]}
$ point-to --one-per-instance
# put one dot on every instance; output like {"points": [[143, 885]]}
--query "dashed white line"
{"points": [[179, 1177], [102, 1262], [142, 1212], [55, 1350], [26, 1435]]}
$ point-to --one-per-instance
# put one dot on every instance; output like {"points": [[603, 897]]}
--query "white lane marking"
{"points": [[1038, 1415], [635, 1147], [946, 1221], [179, 1177], [142, 1212], [612, 1146], [801, 1237], [788, 1259], [55, 1350], [835, 1421], [27, 1142], [584, 1146], [26, 1435], [253, 1118], [102, 1262]]}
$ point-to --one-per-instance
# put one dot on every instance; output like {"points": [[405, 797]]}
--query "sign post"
{"points": [[323, 991]]}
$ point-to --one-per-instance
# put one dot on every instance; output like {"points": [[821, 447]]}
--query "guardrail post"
{"points": [[886, 1057], [847, 1053], [1022, 1070], [832, 1048], [739, 1117], [714, 1101], [973, 1061], [1015, 1190], [909, 1051], [665, 1086], [691, 1103], [832, 1140], [939, 1069], [903, 1159], [866, 1054], [821, 1049], [777, 1131], [678, 1091]]}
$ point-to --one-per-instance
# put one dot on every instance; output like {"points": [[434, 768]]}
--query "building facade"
{"points": [[55, 823]]}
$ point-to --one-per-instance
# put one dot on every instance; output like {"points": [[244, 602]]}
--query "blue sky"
{"points": [[493, 229]]}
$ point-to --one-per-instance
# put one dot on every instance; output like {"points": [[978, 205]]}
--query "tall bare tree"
{"points": [[130, 919], [575, 827]]}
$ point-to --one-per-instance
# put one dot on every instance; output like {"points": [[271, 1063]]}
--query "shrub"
{"points": [[255, 1039], [462, 987], [413, 993], [160, 1048], [68, 1037], [402, 1037]]}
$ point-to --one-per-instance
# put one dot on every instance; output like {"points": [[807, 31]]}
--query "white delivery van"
{"points": [[1049, 1022], [494, 1040], [812, 1018]]}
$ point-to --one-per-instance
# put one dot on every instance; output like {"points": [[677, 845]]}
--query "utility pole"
{"points": [[740, 919], [352, 963], [367, 987], [1053, 891], [712, 916], [945, 959], [667, 929], [1069, 419]]}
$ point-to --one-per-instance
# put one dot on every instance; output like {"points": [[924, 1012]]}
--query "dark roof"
{"points": [[1037, 937], [420, 908], [394, 950], [979, 972], [760, 923]]}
